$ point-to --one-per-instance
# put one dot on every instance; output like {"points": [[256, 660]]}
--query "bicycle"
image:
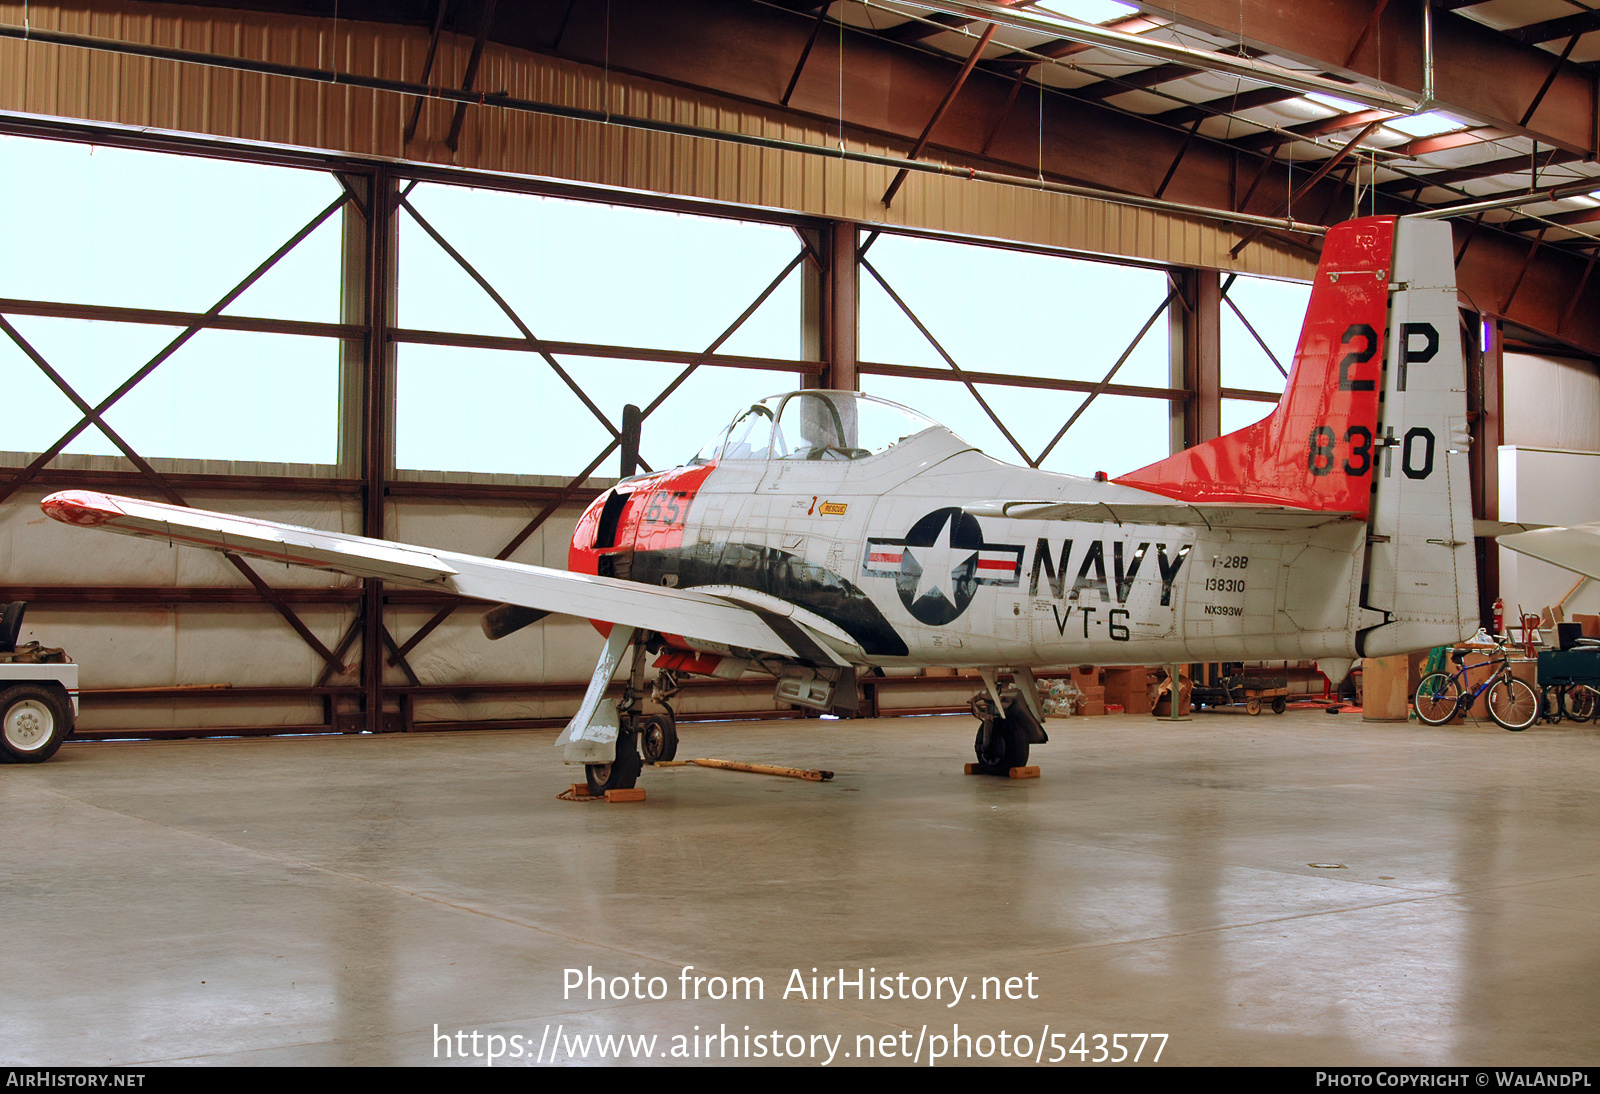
{"points": [[1512, 703], [1570, 699]]}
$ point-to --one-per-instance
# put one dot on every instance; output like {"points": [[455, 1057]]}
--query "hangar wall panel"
{"points": [[44, 79], [1551, 402], [1545, 486]]}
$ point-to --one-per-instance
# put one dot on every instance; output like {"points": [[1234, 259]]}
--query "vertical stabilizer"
{"points": [[1421, 583], [1373, 423]]}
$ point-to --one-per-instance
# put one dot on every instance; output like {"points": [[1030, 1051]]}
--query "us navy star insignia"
{"points": [[940, 563]]}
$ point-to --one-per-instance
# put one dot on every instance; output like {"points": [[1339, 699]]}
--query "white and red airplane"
{"points": [[825, 533]]}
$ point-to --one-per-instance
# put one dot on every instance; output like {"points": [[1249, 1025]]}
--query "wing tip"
{"points": [[84, 508]]}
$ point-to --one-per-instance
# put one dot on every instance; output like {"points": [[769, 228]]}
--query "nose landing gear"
{"points": [[1007, 725]]}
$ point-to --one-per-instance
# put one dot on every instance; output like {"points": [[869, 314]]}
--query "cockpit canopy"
{"points": [[815, 425]]}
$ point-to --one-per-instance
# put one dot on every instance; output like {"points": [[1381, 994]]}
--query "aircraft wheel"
{"points": [[33, 724], [1279, 705], [622, 772], [658, 738], [1007, 744]]}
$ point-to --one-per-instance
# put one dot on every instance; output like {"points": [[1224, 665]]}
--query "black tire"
{"points": [[1580, 702], [1252, 706], [1436, 698], [1007, 746], [1513, 704], [658, 738], [33, 723], [621, 773], [1279, 705]]}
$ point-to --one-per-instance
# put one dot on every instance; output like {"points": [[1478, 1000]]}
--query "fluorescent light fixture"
{"points": [[1344, 105], [1088, 11], [1428, 124]]}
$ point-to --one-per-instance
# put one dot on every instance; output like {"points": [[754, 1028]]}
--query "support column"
{"points": [[840, 297], [377, 424], [1196, 349], [1486, 391]]}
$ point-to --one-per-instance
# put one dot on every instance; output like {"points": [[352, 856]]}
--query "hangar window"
{"points": [[1261, 320], [527, 322], [199, 289], [1038, 333]]}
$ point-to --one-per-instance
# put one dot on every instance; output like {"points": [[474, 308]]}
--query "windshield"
{"points": [[815, 425]]}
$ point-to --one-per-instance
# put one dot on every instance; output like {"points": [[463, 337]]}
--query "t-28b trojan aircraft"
{"points": [[825, 533]]}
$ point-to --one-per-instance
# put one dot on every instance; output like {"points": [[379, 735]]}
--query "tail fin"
{"points": [[1373, 423], [1315, 451]]}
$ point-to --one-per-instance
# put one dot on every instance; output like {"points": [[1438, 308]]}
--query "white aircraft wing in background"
{"points": [[1576, 548]]}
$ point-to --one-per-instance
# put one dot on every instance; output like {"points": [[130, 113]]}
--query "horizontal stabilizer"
{"points": [[1172, 513], [1576, 548], [1492, 528]]}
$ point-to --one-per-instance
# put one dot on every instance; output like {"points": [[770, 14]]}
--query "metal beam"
{"points": [[1479, 72], [938, 111], [1508, 165], [1321, 127], [1226, 104], [485, 22], [1551, 29], [439, 9]]}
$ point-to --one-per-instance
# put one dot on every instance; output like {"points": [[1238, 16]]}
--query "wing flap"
{"points": [[648, 607]]}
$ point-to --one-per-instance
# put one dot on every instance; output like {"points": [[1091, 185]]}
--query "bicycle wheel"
{"points": [[1579, 702], [1513, 704], [1436, 699]]}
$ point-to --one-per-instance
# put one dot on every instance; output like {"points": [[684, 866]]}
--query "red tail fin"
{"points": [[1315, 451]]}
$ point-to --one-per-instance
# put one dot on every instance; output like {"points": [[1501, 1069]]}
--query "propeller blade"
{"points": [[631, 422]]}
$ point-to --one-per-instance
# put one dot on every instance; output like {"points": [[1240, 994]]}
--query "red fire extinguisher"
{"points": [[1499, 616]]}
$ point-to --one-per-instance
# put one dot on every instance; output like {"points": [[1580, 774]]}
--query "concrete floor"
{"points": [[316, 901]]}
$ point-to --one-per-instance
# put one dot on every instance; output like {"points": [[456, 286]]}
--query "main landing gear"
{"points": [[1007, 725], [640, 738]]}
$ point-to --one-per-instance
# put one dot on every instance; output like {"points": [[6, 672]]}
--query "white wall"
{"points": [[1549, 471], [1546, 486]]}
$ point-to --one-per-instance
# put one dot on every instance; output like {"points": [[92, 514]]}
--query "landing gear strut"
{"points": [[654, 735]]}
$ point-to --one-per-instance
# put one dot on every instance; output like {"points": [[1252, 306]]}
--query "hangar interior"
{"points": [[395, 268]]}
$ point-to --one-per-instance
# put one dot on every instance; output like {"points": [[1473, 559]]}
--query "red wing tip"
{"points": [[85, 508]]}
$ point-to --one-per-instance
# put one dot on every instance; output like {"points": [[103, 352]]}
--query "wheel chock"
{"points": [[1029, 772], [579, 792]]}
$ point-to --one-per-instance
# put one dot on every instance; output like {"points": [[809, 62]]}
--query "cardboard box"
{"points": [[1129, 688]]}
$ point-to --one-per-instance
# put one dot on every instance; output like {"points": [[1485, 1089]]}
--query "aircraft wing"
{"points": [[1175, 513], [1576, 548], [774, 629]]}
